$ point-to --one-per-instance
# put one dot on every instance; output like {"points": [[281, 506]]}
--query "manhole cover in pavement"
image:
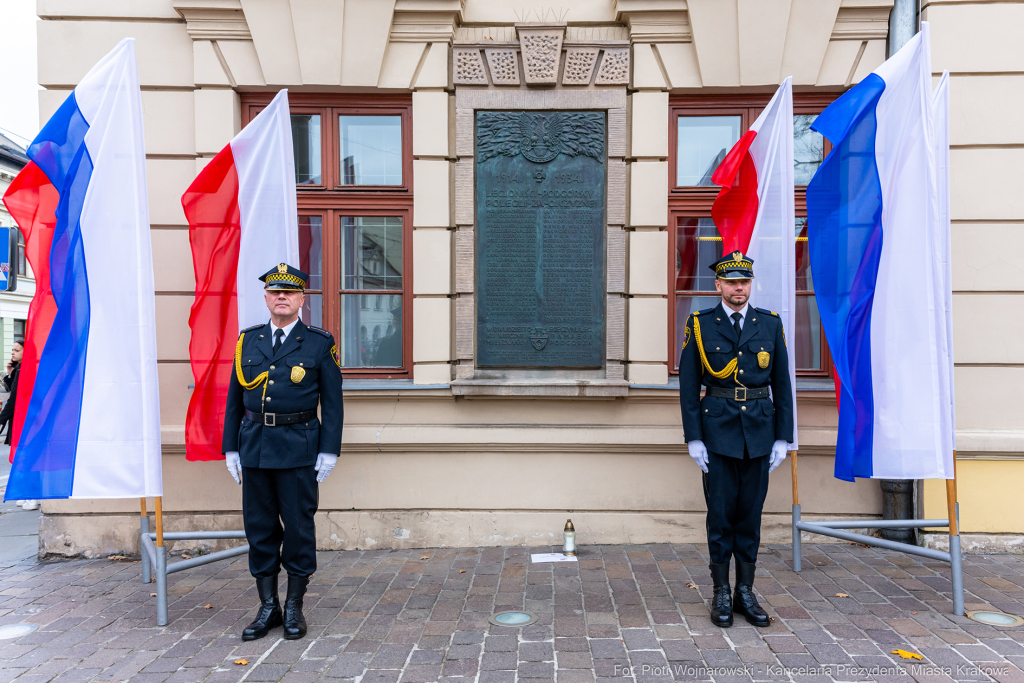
{"points": [[16, 630], [993, 618], [513, 619]]}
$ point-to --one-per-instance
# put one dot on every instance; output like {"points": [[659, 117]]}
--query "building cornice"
{"points": [[214, 19], [430, 21]]}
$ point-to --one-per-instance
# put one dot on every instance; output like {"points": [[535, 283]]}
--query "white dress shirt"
{"points": [[742, 312], [287, 330]]}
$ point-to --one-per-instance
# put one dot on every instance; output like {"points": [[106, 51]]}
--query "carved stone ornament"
{"points": [[614, 69], [542, 50], [579, 65], [539, 137], [504, 66], [469, 67]]}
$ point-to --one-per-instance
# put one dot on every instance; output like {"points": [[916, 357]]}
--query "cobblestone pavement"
{"points": [[623, 613]]}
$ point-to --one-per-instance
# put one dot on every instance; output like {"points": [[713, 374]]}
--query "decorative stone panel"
{"points": [[504, 66], [469, 67], [614, 69], [542, 51], [579, 65]]}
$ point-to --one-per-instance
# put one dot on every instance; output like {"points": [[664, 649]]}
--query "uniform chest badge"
{"points": [[298, 373], [762, 359]]}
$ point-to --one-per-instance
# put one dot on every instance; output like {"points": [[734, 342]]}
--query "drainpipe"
{"points": [[898, 494]]}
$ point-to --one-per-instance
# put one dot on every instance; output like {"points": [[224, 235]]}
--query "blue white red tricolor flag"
{"points": [[754, 211], [87, 423], [878, 235], [242, 221]]}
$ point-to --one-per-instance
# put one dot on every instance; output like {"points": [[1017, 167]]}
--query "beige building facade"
{"points": [[384, 93]]}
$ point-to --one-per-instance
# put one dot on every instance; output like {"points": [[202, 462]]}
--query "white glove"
{"points": [[778, 455], [234, 464], [325, 462], [699, 454]]}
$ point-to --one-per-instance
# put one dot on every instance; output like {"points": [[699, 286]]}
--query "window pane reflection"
{"points": [[806, 339], [311, 250], [313, 310], [371, 252], [371, 331], [804, 281], [371, 150], [808, 148], [306, 146], [685, 305], [698, 245], [703, 142]]}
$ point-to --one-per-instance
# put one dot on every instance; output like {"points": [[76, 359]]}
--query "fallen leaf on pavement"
{"points": [[152, 595], [771, 618], [907, 655], [117, 557], [425, 557], [462, 571], [690, 585], [186, 557], [241, 662], [842, 595], [208, 607]]}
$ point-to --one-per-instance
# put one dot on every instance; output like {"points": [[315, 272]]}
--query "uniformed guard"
{"points": [[277, 449], [737, 433]]}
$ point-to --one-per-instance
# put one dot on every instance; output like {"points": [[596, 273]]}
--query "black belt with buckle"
{"points": [[737, 393], [278, 419]]}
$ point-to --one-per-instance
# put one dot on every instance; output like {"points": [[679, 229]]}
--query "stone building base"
{"points": [[100, 535]]}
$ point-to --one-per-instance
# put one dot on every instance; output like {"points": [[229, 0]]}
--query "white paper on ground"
{"points": [[551, 557]]}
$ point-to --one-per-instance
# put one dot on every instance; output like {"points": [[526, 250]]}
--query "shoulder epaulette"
{"points": [[250, 329], [319, 331], [705, 311], [766, 311]]}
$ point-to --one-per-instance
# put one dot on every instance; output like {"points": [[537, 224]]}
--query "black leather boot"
{"points": [[294, 622], [269, 615], [744, 600], [721, 603]]}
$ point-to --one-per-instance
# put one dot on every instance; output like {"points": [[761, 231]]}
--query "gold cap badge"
{"points": [[737, 255], [282, 268]]}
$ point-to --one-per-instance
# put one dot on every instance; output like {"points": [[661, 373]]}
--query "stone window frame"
{"points": [[695, 202], [331, 200], [608, 381]]}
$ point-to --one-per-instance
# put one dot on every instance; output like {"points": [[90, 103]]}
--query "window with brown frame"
{"points": [[701, 132], [353, 172]]}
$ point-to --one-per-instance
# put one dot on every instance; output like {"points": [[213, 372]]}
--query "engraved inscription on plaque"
{"points": [[540, 203]]}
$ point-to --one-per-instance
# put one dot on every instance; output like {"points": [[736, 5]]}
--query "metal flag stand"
{"points": [[835, 530], [154, 556]]}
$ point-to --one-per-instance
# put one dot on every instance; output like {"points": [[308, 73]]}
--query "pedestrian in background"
{"points": [[10, 381]]}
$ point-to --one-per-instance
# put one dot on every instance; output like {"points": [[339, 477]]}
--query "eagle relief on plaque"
{"points": [[540, 205]]}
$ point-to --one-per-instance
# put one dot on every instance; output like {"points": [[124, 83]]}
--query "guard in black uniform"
{"points": [[737, 434], [278, 449]]}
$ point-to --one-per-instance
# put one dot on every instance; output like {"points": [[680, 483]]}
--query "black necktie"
{"points": [[736, 317], [278, 337]]}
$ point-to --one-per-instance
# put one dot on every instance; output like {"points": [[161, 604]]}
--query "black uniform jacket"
{"points": [[308, 354], [726, 425]]}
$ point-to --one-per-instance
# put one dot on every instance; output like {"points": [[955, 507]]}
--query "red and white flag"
{"points": [[242, 220], [754, 211]]}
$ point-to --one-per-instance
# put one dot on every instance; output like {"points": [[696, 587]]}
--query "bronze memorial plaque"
{"points": [[540, 203]]}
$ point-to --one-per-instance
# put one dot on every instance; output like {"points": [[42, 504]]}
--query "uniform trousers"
{"points": [[270, 497], [735, 489]]}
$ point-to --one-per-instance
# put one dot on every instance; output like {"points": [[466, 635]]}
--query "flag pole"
{"points": [[956, 568], [161, 565], [796, 515], [147, 574]]}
